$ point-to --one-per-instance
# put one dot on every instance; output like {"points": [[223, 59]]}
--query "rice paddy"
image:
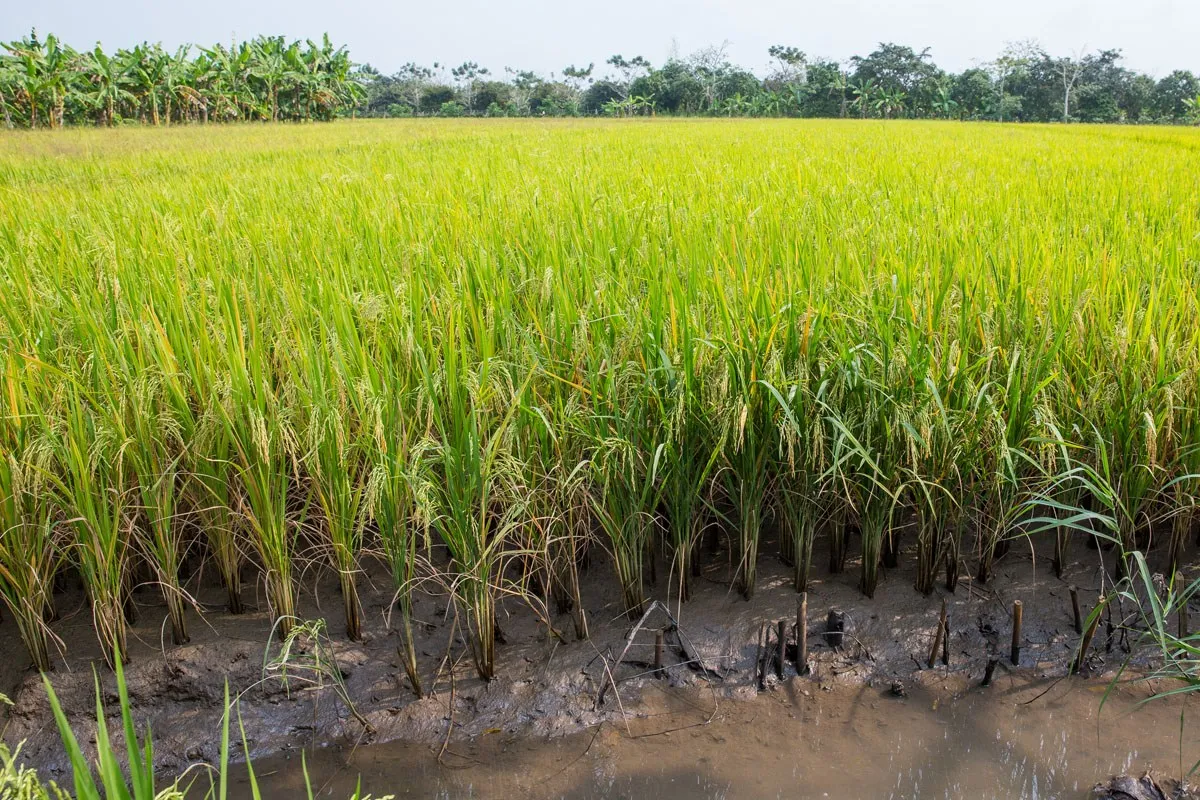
{"points": [[487, 353]]}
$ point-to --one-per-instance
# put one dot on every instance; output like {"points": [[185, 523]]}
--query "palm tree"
{"points": [[840, 85], [215, 71], [642, 104], [9, 83], [890, 102], [177, 83], [147, 67], [26, 72], [771, 104], [797, 96], [58, 71], [1193, 108], [943, 103], [270, 65], [346, 91], [231, 71], [106, 78], [203, 74], [42, 82], [312, 81], [864, 91]]}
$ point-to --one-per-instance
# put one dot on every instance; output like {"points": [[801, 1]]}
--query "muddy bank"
{"points": [[546, 688]]}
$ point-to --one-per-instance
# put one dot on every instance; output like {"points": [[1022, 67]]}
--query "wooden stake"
{"points": [[781, 634], [758, 658], [946, 642], [989, 672], [1086, 643], [1015, 655], [658, 653], [802, 635], [937, 636], [1075, 609]]}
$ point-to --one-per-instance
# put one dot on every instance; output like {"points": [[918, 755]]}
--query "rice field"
{"points": [[488, 353]]}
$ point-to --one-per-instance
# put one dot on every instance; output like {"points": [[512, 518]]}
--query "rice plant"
{"points": [[804, 493], [398, 499], [495, 353], [942, 452], [551, 443], [22, 783], [342, 423], [748, 424], [340, 470], [1132, 412], [869, 450], [264, 444], [97, 497], [1181, 460], [337, 467], [476, 513], [211, 491], [1015, 418], [29, 557], [689, 463], [553, 476], [155, 456], [626, 457]]}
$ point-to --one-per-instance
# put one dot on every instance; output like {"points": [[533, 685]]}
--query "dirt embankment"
{"points": [[544, 687]]}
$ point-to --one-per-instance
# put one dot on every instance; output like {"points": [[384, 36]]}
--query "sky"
{"points": [[1156, 36]]}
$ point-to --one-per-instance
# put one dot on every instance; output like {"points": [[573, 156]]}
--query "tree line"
{"points": [[45, 83], [1023, 83]]}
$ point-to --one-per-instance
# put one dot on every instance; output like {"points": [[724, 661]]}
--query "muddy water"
{"points": [[798, 741]]}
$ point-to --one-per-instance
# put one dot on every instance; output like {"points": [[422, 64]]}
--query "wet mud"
{"points": [[551, 695]]}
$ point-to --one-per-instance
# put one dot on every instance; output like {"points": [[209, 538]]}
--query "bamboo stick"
{"points": [[937, 636], [802, 634], [1015, 653]]}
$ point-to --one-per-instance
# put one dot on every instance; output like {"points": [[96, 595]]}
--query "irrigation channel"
{"points": [[1010, 741]]}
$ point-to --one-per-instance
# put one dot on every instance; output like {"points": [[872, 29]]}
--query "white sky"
{"points": [[546, 35]]}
